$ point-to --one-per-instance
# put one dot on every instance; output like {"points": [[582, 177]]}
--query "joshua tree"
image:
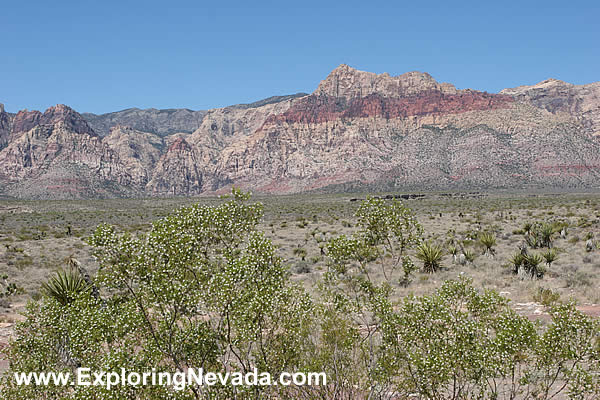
{"points": [[517, 261], [530, 263], [546, 231], [527, 227]]}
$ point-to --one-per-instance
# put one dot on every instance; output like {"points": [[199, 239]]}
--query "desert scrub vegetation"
{"points": [[205, 288]]}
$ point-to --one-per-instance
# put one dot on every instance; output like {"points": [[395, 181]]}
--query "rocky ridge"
{"points": [[580, 101], [151, 120], [357, 129]]}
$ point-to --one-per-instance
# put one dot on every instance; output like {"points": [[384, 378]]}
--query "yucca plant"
{"points": [[469, 255], [532, 265], [517, 262], [545, 233], [454, 251], [431, 255], [550, 256], [65, 286], [488, 240]]}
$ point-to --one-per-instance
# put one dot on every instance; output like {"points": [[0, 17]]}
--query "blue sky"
{"points": [[102, 56]]}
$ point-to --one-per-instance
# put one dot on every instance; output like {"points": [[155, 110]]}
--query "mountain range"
{"points": [[358, 130]]}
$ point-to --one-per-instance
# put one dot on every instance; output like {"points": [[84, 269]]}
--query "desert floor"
{"points": [[36, 238]]}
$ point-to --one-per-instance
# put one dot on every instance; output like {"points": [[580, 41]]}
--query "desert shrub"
{"points": [[386, 231], [573, 239], [303, 268], [300, 252], [459, 340], [545, 296], [577, 279], [8, 288], [157, 291], [203, 288]]}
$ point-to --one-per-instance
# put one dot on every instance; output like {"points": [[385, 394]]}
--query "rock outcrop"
{"points": [[139, 152], [167, 121], [57, 155]]}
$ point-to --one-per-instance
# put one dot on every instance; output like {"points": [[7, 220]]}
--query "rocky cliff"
{"points": [[5, 126], [411, 132], [579, 101], [357, 129]]}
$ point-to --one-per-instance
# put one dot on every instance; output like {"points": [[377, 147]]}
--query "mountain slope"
{"points": [[412, 132], [151, 120], [357, 129], [580, 101]]}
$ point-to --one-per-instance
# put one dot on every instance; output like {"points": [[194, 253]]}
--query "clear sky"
{"points": [[101, 56]]}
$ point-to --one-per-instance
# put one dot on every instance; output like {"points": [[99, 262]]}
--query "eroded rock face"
{"points": [[139, 152], [429, 152], [322, 108], [357, 130], [411, 132], [24, 121], [347, 82], [59, 140], [179, 171], [579, 101]]}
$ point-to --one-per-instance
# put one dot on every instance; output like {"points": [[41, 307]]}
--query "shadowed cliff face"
{"points": [[357, 129], [158, 122], [5, 122]]}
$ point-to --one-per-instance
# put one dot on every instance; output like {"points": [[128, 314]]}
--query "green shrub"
{"points": [[546, 297]]}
